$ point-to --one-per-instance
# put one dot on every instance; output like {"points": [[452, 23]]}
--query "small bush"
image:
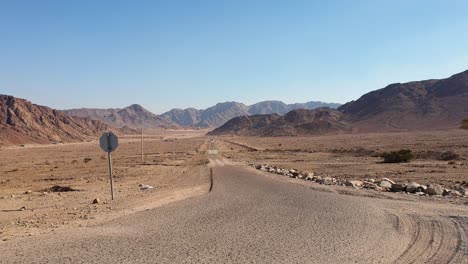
{"points": [[464, 124], [86, 160], [403, 155], [449, 155]]}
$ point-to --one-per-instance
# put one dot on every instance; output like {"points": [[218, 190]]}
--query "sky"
{"points": [[179, 54]]}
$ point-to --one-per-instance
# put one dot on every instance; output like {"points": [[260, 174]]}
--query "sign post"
{"points": [[109, 142]]}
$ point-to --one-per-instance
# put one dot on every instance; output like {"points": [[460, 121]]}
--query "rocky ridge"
{"points": [[24, 122]]}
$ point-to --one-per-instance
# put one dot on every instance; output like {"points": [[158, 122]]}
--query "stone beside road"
{"points": [[385, 184]]}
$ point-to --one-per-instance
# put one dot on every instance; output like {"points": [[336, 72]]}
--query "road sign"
{"points": [[109, 142]]}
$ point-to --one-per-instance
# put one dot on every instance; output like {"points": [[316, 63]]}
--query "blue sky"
{"points": [[166, 54]]}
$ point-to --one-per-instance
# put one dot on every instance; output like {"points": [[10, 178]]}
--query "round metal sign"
{"points": [[108, 142]]}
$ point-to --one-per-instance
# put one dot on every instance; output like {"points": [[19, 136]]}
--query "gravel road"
{"points": [[251, 218]]}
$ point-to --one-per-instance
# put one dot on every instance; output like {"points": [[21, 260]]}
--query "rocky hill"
{"points": [[219, 114], [420, 105], [23, 122], [132, 116], [295, 122]]}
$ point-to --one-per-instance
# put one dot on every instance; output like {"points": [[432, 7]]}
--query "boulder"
{"points": [[310, 176], [398, 187], [385, 185], [326, 181], [434, 189], [388, 180], [446, 192], [370, 185], [354, 184], [422, 188], [96, 201], [455, 193], [412, 187]]}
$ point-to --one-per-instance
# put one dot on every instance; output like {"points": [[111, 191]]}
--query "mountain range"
{"points": [[211, 117], [132, 116], [419, 105], [219, 114]]}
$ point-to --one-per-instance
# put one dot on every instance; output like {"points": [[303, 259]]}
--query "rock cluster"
{"points": [[384, 184]]}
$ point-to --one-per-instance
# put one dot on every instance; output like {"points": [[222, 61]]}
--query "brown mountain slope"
{"points": [[296, 122], [131, 116], [219, 114], [23, 122], [189, 117], [423, 105]]}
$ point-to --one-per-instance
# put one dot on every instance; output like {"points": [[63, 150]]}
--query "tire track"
{"points": [[434, 239]]}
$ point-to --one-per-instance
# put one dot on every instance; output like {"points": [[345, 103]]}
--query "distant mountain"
{"points": [[294, 123], [211, 117], [268, 107], [23, 122], [217, 115], [184, 117], [278, 107], [420, 105], [222, 112], [132, 116]]}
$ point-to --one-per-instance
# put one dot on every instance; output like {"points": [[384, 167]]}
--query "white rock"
{"points": [[387, 179], [434, 189], [145, 187], [353, 183], [385, 184]]}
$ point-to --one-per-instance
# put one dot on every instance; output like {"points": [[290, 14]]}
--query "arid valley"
{"points": [[212, 132]]}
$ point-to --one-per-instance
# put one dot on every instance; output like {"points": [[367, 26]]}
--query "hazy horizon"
{"points": [[181, 54]]}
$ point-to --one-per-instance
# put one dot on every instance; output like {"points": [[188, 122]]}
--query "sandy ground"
{"points": [[353, 156], [255, 217], [174, 165]]}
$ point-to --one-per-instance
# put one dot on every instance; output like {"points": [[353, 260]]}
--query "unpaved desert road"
{"points": [[252, 218]]}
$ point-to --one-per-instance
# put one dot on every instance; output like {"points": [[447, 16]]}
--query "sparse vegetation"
{"points": [[400, 156], [449, 155], [86, 160], [464, 124], [58, 188]]}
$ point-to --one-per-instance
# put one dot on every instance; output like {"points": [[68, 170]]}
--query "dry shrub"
{"points": [[464, 124], [400, 156], [448, 155]]}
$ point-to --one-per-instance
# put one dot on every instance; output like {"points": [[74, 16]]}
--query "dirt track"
{"points": [[251, 217]]}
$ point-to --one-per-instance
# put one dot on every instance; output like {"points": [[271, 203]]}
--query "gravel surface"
{"points": [[251, 218]]}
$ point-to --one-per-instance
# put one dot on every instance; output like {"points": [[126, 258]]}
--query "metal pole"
{"points": [[142, 157], [109, 157], [142, 125]]}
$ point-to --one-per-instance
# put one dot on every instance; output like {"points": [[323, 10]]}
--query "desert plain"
{"points": [[176, 164]]}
